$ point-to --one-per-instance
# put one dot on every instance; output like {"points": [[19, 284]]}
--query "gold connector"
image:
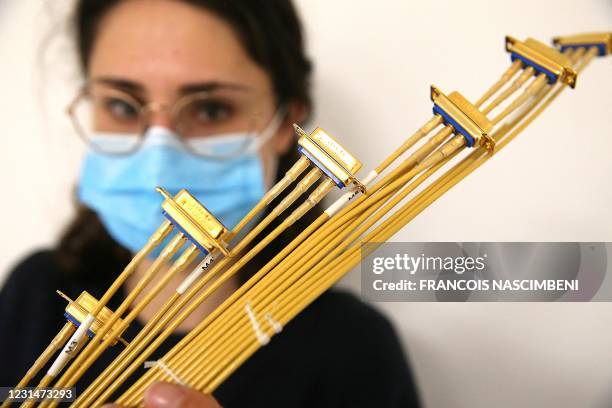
{"points": [[603, 42], [463, 116], [327, 154], [77, 310], [194, 220], [543, 59]]}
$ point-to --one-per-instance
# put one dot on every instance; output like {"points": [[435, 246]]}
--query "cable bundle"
{"points": [[456, 140]]}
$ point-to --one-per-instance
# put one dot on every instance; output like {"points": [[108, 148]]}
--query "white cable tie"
{"points": [[259, 333], [349, 195], [195, 274], [276, 325], [165, 369]]}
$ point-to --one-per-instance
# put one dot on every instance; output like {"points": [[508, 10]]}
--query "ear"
{"points": [[284, 139]]}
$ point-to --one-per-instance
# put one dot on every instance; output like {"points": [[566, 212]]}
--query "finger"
{"points": [[166, 395]]}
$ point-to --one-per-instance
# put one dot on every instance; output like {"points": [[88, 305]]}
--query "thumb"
{"points": [[166, 395]]}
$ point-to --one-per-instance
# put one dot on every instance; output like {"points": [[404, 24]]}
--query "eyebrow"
{"points": [[210, 86], [139, 89]]}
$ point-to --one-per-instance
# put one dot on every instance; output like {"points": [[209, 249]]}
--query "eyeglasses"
{"points": [[113, 121]]}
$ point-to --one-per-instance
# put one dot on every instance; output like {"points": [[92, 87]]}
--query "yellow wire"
{"points": [[360, 208], [431, 124], [308, 265], [499, 147], [422, 153], [55, 345], [171, 322], [505, 78]]}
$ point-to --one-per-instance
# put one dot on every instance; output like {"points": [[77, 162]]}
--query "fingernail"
{"points": [[164, 395]]}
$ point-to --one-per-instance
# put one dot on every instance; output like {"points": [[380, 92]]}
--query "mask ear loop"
{"points": [[263, 138], [269, 131]]}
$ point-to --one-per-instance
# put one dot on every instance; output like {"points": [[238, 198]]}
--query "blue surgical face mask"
{"points": [[121, 189]]}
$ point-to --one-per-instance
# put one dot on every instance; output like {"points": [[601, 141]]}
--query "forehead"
{"points": [[163, 44]]}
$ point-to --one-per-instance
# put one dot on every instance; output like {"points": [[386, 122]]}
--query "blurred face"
{"points": [[189, 67]]}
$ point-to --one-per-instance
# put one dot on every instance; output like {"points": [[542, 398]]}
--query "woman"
{"points": [[198, 95]]}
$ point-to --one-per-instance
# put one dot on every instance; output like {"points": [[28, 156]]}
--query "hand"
{"points": [[166, 395]]}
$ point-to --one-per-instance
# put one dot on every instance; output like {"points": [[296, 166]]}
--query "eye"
{"points": [[210, 111], [121, 109]]}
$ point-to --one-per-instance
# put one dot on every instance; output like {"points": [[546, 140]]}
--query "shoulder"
{"points": [[29, 290], [30, 312], [32, 277]]}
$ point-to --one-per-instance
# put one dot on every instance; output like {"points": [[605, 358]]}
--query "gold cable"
{"points": [[331, 262], [78, 368], [47, 379], [146, 336], [138, 346], [83, 310], [531, 115], [290, 176], [411, 141], [331, 273], [421, 132], [313, 199], [501, 131], [186, 258], [283, 256], [236, 294], [442, 154], [506, 93], [532, 89], [154, 240], [238, 331], [422, 152], [396, 176], [57, 343], [183, 356], [590, 54], [325, 270], [515, 104], [281, 277], [505, 78], [336, 250]]}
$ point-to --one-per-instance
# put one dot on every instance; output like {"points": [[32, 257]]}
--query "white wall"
{"points": [[375, 61]]}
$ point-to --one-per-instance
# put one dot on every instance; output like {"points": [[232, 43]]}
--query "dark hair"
{"points": [[271, 33]]}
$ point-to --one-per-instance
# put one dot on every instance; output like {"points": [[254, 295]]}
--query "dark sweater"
{"points": [[339, 352]]}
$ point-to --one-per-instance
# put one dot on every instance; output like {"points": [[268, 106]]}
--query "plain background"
{"points": [[375, 61]]}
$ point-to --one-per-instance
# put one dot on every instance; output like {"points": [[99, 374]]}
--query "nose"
{"points": [[162, 119], [159, 115]]}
